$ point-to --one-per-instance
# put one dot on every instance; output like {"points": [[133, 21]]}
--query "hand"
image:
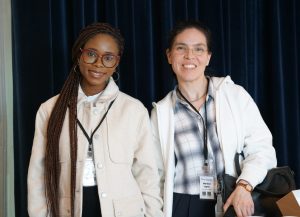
{"points": [[242, 202]]}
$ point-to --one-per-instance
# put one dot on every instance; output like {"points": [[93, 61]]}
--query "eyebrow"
{"points": [[95, 50], [181, 43]]}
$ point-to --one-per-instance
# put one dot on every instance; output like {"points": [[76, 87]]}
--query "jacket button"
{"points": [[103, 194], [100, 166], [96, 112], [96, 136]]}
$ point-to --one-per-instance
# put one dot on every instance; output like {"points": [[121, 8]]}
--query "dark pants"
{"points": [[91, 203], [185, 205]]}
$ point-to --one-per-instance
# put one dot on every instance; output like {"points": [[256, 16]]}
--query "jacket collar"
{"points": [[219, 81], [110, 92]]}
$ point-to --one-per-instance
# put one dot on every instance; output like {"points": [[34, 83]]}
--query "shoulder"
{"points": [[45, 110], [126, 101], [47, 106], [225, 85], [220, 83], [164, 107], [165, 102]]}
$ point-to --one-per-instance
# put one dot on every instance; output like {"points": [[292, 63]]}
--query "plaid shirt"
{"points": [[189, 143]]}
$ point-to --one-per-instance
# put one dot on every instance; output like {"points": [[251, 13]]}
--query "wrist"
{"points": [[246, 185]]}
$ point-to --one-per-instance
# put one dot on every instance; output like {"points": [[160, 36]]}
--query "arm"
{"points": [[258, 150], [158, 151], [35, 181], [260, 155]]}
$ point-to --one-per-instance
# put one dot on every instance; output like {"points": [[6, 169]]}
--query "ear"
{"points": [[118, 62], [208, 58], [168, 53]]}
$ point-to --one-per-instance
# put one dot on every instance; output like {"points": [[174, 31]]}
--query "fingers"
{"points": [[244, 208], [243, 211], [241, 201], [228, 203]]}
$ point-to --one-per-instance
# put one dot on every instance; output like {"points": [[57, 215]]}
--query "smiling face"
{"points": [[95, 75], [189, 55]]}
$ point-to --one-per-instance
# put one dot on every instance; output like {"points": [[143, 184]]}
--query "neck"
{"points": [[90, 90], [194, 91]]}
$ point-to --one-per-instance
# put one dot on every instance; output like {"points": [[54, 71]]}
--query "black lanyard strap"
{"points": [[90, 139], [204, 123]]}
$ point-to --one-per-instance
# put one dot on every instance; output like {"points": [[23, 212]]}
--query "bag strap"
{"points": [[237, 162]]}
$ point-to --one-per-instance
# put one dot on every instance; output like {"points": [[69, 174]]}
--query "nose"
{"points": [[98, 62], [189, 53]]}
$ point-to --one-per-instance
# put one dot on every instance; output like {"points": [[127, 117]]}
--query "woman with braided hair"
{"points": [[90, 156]]}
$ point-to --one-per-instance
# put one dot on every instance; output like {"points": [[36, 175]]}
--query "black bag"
{"points": [[277, 183]]}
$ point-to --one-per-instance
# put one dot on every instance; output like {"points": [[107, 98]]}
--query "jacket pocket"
{"points": [[121, 149], [129, 207], [65, 207]]}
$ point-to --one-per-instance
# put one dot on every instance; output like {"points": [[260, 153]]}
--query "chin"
{"points": [[95, 82], [189, 78]]}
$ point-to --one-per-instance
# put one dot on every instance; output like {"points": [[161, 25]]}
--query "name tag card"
{"points": [[207, 187]]}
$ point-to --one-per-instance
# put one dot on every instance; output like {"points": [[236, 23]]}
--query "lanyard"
{"points": [[204, 123], [90, 138]]}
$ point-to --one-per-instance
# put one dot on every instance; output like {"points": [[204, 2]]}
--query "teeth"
{"points": [[97, 73], [189, 66]]}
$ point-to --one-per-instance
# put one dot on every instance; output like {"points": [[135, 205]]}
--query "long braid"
{"points": [[68, 100], [73, 139]]}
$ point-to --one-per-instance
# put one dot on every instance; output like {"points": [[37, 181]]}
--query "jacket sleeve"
{"points": [[145, 168], [35, 181], [259, 152], [158, 151]]}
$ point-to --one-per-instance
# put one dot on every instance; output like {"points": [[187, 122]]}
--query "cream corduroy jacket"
{"points": [[126, 171]]}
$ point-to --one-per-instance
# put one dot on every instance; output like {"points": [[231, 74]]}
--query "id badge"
{"points": [[208, 181], [207, 187], [89, 174]]}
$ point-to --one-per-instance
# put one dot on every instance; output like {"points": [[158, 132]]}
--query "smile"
{"points": [[189, 66], [96, 74]]}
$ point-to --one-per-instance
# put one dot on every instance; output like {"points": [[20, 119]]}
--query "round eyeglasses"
{"points": [[90, 56]]}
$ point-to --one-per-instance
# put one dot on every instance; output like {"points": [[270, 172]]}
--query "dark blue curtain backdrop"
{"points": [[257, 42]]}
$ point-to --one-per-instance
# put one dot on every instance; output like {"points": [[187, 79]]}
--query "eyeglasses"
{"points": [[183, 49], [90, 57]]}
